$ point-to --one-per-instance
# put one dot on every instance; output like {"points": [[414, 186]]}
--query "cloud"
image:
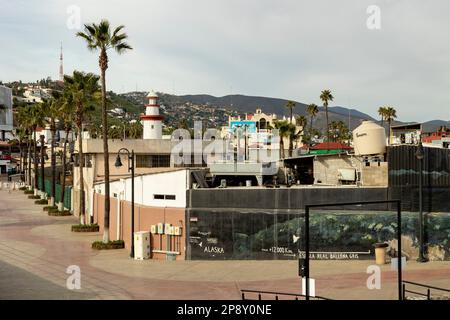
{"points": [[287, 49]]}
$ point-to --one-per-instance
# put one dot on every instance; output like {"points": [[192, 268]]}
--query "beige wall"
{"points": [[375, 175], [326, 168], [144, 217]]}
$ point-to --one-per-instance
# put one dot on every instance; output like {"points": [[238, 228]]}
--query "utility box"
{"points": [[142, 249]]}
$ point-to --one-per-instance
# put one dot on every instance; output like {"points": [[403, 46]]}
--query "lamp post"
{"points": [[118, 164], [420, 156]]}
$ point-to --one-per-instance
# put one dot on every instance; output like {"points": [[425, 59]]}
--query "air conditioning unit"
{"points": [[223, 183], [347, 174], [142, 249]]}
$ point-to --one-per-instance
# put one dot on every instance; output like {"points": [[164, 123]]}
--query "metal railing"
{"points": [[428, 287], [276, 295]]}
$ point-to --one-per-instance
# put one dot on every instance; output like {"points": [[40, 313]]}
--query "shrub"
{"points": [[53, 209], [85, 228], [34, 197], [116, 244], [23, 188], [28, 192], [47, 208], [59, 213], [41, 201]]}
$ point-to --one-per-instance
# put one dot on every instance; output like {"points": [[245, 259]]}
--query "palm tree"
{"points": [[67, 116], [24, 121], [82, 90], [382, 113], [326, 97], [99, 37], [301, 122], [312, 110], [53, 112], [284, 130], [36, 120], [22, 136], [290, 105], [135, 130], [390, 115]]}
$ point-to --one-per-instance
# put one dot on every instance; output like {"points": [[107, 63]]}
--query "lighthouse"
{"points": [[152, 120]]}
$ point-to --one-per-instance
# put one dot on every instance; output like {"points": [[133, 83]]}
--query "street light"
{"points": [[420, 155], [118, 164]]}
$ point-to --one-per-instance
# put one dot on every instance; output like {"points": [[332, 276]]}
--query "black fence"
{"points": [[427, 294], [404, 167], [404, 175], [266, 295]]}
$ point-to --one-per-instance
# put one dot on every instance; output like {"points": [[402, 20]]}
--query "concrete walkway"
{"points": [[35, 251]]}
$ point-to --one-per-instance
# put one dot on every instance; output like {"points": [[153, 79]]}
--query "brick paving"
{"points": [[36, 249]]}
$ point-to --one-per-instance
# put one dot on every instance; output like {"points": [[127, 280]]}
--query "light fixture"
{"points": [[118, 163]]}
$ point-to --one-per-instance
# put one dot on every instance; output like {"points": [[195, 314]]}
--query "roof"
{"points": [[152, 94], [331, 146], [414, 125], [148, 171]]}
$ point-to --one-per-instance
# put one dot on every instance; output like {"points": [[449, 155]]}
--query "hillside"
{"points": [[241, 104]]}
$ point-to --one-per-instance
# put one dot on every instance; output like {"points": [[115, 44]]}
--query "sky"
{"points": [[397, 56]]}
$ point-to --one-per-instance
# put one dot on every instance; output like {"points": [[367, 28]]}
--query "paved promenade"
{"points": [[35, 251]]}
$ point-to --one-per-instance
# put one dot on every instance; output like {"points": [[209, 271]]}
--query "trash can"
{"points": [[380, 253]]}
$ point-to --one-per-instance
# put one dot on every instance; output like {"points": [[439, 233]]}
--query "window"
{"points": [[153, 161], [186, 162], [164, 197]]}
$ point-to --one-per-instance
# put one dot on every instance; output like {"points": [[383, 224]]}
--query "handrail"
{"points": [[259, 292], [426, 286]]}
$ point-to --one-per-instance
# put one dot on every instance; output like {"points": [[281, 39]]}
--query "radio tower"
{"points": [[61, 71]]}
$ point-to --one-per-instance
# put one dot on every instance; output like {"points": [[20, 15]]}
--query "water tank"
{"points": [[369, 138]]}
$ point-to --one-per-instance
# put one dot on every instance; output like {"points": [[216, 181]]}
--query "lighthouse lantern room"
{"points": [[152, 120]]}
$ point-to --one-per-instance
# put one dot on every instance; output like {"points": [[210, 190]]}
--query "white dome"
{"points": [[152, 94]]}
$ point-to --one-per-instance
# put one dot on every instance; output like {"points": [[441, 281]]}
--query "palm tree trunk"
{"points": [[389, 132], [29, 162], [103, 65], [42, 166], [82, 207], [328, 129], [53, 164], [291, 146], [63, 178], [36, 184]]}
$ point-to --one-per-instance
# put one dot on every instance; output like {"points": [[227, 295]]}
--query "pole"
{"points": [[132, 204], [399, 258], [421, 222], [307, 252]]}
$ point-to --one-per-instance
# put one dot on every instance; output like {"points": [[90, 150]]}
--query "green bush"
{"points": [[23, 188], [41, 201], [59, 213], [85, 228], [116, 244], [47, 208], [53, 209], [34, 197], [29, 191]]}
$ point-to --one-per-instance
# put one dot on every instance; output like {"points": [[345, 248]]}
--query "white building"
{"points": [[166, 188], [6, 114]]}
